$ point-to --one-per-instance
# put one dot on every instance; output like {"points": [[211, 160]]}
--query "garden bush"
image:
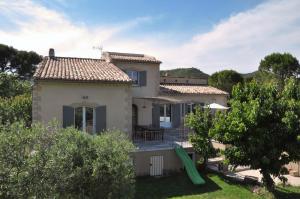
{"points": [[50, 162], [15, 109]]}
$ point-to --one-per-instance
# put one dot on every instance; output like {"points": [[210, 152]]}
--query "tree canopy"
{"points": [[225, 79], [22, 63], [281, 65], [262, 127]]}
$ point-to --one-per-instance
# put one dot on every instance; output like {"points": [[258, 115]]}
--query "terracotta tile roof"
{"points": [[129, 57], [189, 89], [79, 69]]}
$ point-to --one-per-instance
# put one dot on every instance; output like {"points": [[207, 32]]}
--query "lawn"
{"points": [[179, 186]]}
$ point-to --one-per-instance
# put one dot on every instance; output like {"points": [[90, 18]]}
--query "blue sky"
{"points": [[192, 16], [210, 35]]}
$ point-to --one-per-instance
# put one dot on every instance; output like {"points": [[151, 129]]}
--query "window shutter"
{"points": [[68, 116], [175, 115], [155, 115], [100, 118], [143, 78], [186, 108]]}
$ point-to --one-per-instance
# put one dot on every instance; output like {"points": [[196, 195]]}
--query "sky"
{"points": [[211, 35]]}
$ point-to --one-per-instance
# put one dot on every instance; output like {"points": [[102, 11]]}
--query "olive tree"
{"points": [[262, 127], [50, 162]]}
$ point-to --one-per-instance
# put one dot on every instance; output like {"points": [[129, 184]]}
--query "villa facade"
{"points": [[123, 91]]}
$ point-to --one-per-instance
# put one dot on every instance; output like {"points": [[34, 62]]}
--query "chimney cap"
{"points": [[51, 53]]}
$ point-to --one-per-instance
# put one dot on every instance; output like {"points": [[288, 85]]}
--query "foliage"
{"points": [[262, 128], [11, 86], [201, 122], [281, 65], [184, 72], [16, 108], [22, 63], [50, 162], [225, 80]]}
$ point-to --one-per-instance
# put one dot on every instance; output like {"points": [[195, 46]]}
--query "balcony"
{"points": [[149, 138]]}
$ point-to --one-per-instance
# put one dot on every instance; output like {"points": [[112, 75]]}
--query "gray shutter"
{"points": [[100, 118], [175, 115], [155, 115], [68, 116], [182, 107], [143, 78], [186, 109]]}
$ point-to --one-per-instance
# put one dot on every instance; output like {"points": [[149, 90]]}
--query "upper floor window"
{"points": [[134, 76]]}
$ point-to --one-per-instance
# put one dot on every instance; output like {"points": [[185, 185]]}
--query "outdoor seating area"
{"points": [[147, 133], [148, 138]]}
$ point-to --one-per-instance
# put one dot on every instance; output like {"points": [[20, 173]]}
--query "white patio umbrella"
{"points": [[216, 106]]}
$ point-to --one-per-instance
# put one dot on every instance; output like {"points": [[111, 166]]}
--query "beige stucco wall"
{"points": [[50, 97], [144, 111], [171, 162], [152, 87]]}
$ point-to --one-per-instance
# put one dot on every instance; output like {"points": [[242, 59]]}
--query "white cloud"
{"points": [[238, 42]]}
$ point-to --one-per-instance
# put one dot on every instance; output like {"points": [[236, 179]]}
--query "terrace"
{"points": [[148, 138]]}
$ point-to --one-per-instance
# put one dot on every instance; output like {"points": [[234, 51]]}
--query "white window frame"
{"points": [[164, 122], [84, 118], [130, 73]]}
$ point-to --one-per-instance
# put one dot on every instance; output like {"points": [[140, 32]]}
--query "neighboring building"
{"points": [[122, 91], [184, 80]]}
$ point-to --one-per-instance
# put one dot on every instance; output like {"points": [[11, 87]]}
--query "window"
{"points": [[134, 76], [165, 115], [85, 119], [191, 108]]}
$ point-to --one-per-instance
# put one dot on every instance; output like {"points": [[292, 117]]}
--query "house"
{"points": [[122, 91]]}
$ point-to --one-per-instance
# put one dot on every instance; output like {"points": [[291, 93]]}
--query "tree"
{"points": [[281, 65], [22, 63], [15, 109], [11, 86], [262, 128], [50, 162], [225, 79], [201, 122]]}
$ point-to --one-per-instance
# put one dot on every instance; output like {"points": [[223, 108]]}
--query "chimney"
{"points": [[51, 53]]}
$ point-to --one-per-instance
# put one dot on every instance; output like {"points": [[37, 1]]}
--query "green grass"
{"points": [[179, 186]]}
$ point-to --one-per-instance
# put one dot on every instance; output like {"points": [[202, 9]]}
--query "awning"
{"points": [[216, 106]]}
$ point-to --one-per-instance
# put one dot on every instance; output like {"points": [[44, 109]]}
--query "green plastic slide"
{"points": [[189, 166]]}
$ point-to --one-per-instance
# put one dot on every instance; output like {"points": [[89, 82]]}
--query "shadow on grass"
{"points": [[287, 193], [171, 186], [281, 192]]}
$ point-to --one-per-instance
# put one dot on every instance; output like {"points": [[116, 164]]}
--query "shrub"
{"points": [[64, 163], [15, 109]]}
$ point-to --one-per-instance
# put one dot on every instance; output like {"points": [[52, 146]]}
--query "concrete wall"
{"points": [[294, 168], [152, 87], [171, 161], [50, 97]]}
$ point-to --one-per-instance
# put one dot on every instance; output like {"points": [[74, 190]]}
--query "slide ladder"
{"points": [[189, 166]]}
